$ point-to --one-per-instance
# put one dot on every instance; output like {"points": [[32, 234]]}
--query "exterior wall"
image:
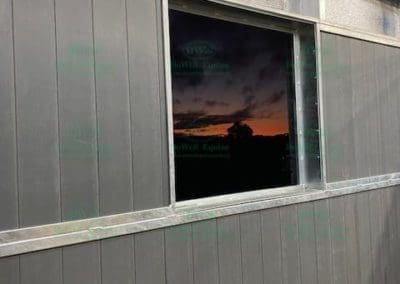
{"points": [[349, 239], [73, 74], [361, 93], [77, 83]]}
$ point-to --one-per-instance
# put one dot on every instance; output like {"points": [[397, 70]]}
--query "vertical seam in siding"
{"points": [[133, 259], [165, 256], [15, 116], [58, 115], [130, 106], [100, 243], [315, 243], [100, 246], [280, 236], [217, 251], [262, 246], [95, 113], [298, 244], [191, 235], [218, 260], [241, 247], [61, 254], [370, 238], [330, 242], [345, 234], [129, 102]]}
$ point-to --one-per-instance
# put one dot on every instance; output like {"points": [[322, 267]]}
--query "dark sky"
{"points": [[223, 72]]}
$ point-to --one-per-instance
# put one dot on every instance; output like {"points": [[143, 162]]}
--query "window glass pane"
{"points": [[233, 107]]}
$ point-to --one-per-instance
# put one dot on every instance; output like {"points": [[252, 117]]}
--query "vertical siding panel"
{"points": [[332, 103], [366, 114], [113, 113], [390, 229], [250, 235], [290, 245], [323, 241], [390, 112], [338, 236], [372, 109], [339, 128], [386, 121], [396, 201], [384, 234], [42, 267], [375, 222], [359, 69], [229, 250], [36, 103], [307, 235], [272, 247], [77, 106], [9, 270], [81, 264], [363, 236], [145, 102], [205, 252], [8, 165], [352, 238], [396, 103], [117, 264], [378, 91], [342, 152], [149, 257], [179, 254]]}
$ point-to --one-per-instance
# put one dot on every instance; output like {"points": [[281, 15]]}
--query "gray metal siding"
{"points": [[229, 250], [36, 112], [361, 95], [83, 128], [77, 109], [349, 239], [8, 166], [144, 36], [117, 262], [113, 107]]}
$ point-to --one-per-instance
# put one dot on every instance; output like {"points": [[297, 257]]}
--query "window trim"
{"points": [[245, 196], [31, 239]]}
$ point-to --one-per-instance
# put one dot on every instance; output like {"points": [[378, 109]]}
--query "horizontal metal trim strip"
{"points": [[19, 241], [358, 34], [373, 181], [261, 9], [324, 25]]}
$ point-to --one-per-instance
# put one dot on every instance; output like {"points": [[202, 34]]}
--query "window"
{"points": [[233, 106]]}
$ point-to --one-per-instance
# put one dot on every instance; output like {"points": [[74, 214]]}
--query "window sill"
{"points": [[24, 240]]}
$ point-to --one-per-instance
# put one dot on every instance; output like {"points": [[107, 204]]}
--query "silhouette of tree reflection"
{"points": [[240, 131], [237, 162]]}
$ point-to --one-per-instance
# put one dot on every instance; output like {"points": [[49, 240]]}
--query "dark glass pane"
{"points": [[232, 107]]}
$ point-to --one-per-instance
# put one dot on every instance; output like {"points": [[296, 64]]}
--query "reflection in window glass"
{"points": [[232, 107]]}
